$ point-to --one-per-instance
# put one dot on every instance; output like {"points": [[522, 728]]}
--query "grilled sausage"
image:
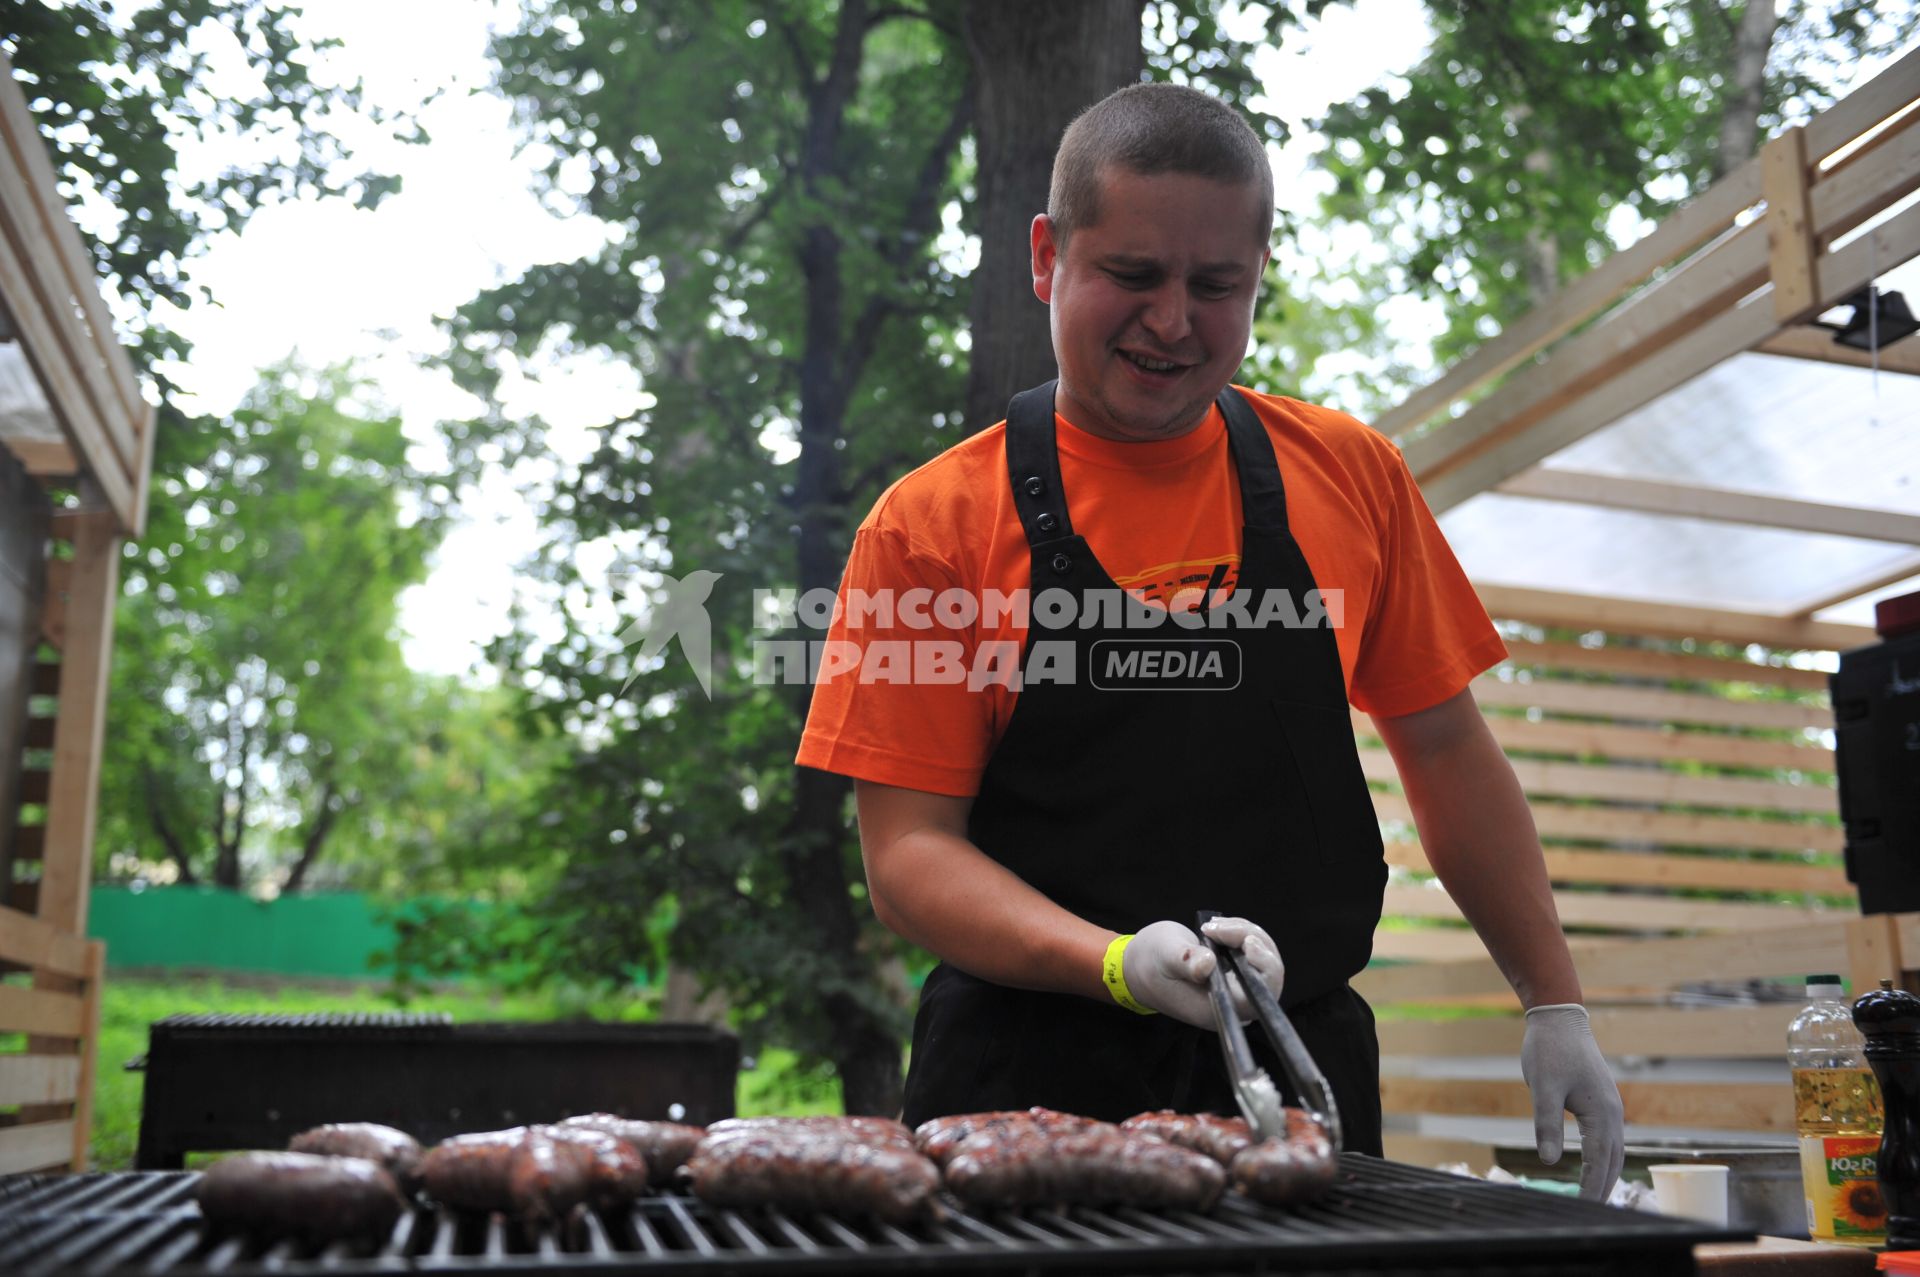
{"points": [[1082, 1168], [815, 1172], [396, 1150], [938, 1137], [1220, 1138], [306, 1195], [879, 1131], [1295, 1169], [665, 1145], [547, 1178], [619, 1171], [470, 1172]]}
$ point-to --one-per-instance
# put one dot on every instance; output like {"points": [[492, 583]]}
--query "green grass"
{"points": [[775, 1084]]}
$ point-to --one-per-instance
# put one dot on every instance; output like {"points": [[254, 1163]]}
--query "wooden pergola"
{"points": [[76, 445], [1686, 797]]}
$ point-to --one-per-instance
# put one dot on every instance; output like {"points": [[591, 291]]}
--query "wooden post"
{"points": [[79, 731], [93, 584], [1790, 242], [89, 1053]]}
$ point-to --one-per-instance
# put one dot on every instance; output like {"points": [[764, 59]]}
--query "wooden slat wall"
{"points": [[1689, 814]]}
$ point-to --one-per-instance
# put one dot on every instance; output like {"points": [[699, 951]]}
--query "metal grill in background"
{"points": [[1380, 1217]]}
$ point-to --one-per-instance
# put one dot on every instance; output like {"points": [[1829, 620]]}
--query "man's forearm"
{"points": [[930, 885], [1479, 837]]}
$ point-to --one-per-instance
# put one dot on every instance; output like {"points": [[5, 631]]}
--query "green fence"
{"points": [[323, 934]]}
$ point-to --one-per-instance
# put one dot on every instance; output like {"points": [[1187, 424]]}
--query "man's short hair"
{"points": [[1150, 129]]}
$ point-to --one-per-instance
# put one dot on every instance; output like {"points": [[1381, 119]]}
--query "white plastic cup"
{"points": [[1691, 1190]]}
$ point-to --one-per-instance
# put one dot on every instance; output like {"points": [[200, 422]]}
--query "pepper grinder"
{"points": [[1890, 1020]]}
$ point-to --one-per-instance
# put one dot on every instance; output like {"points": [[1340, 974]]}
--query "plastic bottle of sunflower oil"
{"points": [[1837, 1110]]}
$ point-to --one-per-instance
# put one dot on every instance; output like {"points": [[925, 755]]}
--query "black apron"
{"points": [[1172, 769]]}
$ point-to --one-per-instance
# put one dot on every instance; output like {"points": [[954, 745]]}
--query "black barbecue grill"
{"points": [[255, 1081], [1380, 1217]]}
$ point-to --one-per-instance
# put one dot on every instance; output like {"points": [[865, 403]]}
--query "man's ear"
{"points": [[1046, 256]]}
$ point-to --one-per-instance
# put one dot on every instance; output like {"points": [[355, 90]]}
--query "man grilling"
{"points": [[1093, 673]]}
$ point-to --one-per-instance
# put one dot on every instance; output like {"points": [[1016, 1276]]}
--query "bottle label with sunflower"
{"points": [[1839, 1173]]}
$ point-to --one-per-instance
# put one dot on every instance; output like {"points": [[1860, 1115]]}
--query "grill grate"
{"points": [[1380, 1216]]}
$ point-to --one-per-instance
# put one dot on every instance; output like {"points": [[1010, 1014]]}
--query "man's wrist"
{"points": [[1113, 974]]}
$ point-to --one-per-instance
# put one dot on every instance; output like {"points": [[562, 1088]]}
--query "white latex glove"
{"points": [[1566, 1072], [1167, 967]]}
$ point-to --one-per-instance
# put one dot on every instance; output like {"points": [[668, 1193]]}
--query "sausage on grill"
{"points": [[938, 1137], [1220, 1138], [815, 1172], [879, 1131], [1083, 1168], [1295, 1169], [304, 1194], [547, 1178], [396, 1150], [619, 1170], [470, 1172], [665, 1145]]}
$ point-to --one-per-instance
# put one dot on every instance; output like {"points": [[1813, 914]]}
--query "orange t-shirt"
{"points": [[1160, 517]]}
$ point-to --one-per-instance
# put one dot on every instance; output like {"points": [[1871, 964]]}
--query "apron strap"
{"points": [[1033, 466], [1263, 497]]}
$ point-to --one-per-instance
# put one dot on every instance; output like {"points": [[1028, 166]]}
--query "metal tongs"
{"points": [[1259, 1098]]}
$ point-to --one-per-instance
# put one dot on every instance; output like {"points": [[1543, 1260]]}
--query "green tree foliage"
{"points": [[1495, 169], [259, 696]]}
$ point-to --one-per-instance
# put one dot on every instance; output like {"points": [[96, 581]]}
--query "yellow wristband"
{"points": [[1113, 973]]}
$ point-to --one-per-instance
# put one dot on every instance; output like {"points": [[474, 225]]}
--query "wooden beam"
{"points": [[1790, 244], [1660, 664], [30, 942], [1657, 317], [44, 458], [39, 1079], [56, 1015], [1646, 785], [1653, 869], [1736, 955], [1721, 505], [1698, 221], [1879, 99], [1566, 610], [1605, 740], [1807, 342], [1639, 828], [1604, 700], [42, 340], [1870, 183], [104, 361], [1749, 1106], [1611, 911], [1866, 583], [1711, 1032], [1428, 944], [79, 732], [1701, 337], [35, 1146]]}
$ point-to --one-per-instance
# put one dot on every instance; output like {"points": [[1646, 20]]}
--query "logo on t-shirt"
{"points": [[1184, 586]]}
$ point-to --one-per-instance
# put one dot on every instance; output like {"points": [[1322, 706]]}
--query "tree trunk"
{"points": [[156, 813], [1746, 87], [1035, 67], [316, 839]]}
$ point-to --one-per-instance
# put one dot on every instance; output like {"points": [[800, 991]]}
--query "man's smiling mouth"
{"points": [[1150, 364]]}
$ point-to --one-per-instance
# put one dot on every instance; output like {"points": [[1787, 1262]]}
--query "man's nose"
{"points": [[1166, 315]]}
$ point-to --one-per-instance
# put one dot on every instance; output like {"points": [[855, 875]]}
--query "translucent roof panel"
{"points": [[1557, 545], [1772, 424]]}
